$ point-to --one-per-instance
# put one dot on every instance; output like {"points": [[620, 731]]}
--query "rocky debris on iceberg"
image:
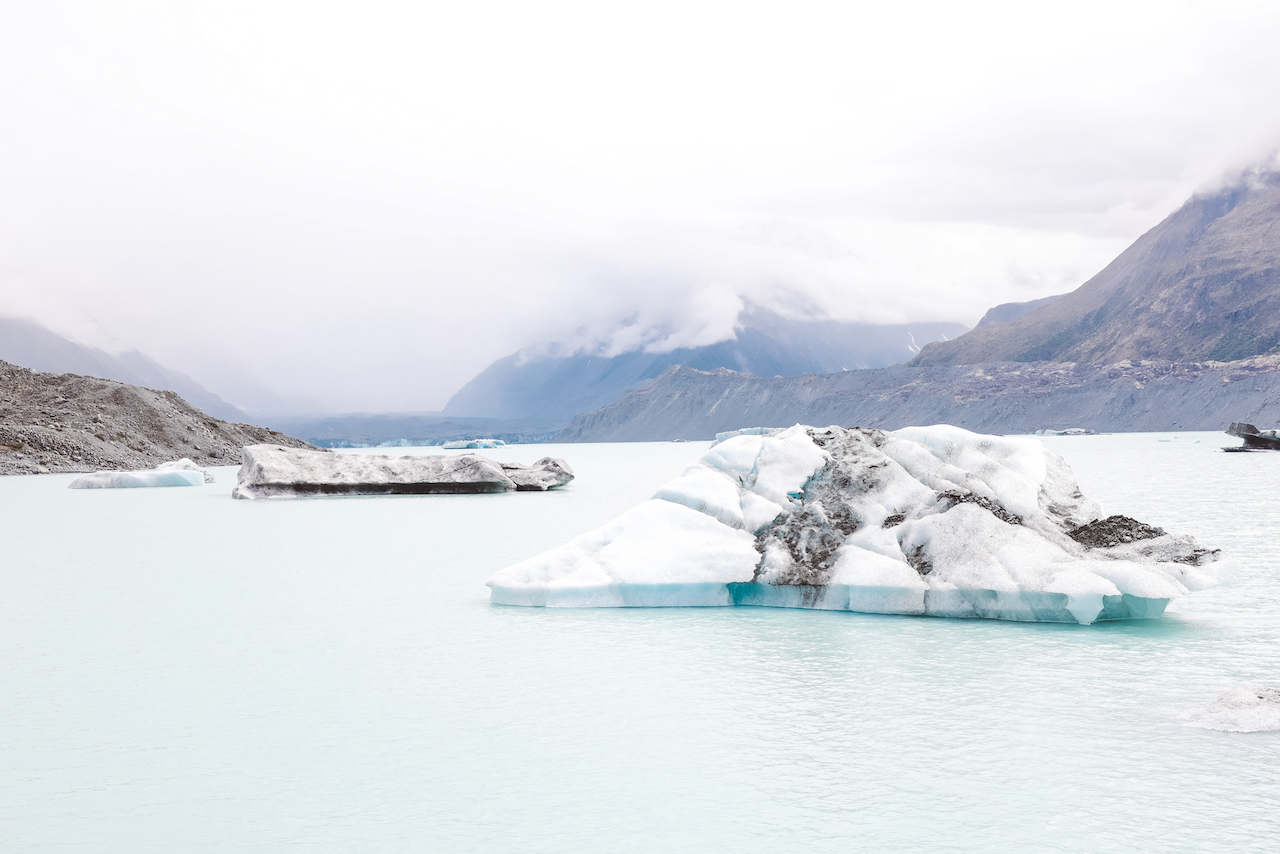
{"points": [[545, 473], [1245, 708], [474, 444], [270, 471], [181, 472], [931, 521]]}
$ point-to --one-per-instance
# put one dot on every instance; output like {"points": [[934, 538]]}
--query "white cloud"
{"points": [[363, 205]]}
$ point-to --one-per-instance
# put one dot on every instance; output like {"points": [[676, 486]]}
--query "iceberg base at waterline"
{"points": [[181, 472], [929, 521], [272, 471]]}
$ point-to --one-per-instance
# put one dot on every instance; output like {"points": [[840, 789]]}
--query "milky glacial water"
{"points": [[184, 672]]}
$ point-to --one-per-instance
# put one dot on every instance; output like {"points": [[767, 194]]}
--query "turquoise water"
{"points": [[184, 672]]}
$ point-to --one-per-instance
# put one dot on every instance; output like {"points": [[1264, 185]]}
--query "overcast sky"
{"points": [[357, 206]]}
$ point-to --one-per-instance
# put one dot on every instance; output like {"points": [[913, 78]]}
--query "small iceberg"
{"points": [[176, 473], [272, 471], [473, 444], [931, 521], [1246, 708], [1254, 439], [185, 464]]}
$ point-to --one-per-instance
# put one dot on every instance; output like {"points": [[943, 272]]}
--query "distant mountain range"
{"points": [[1008, 397], [33, 346], [400, 429], [1181, 331], [1204, 284], [555, 388]]}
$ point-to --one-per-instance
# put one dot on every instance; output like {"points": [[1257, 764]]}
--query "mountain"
{"points": [[1204, 284], [33, 346], [1007, 311], [1002, 398], [361, 430], [71, 422], [555, 388]]}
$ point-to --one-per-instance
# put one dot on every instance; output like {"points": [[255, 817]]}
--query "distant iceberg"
{"points": [[474, 444], [273, 471], [137, 479], [931, 521]]}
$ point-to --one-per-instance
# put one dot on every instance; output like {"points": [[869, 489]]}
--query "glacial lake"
{"points": [[184, 672]]}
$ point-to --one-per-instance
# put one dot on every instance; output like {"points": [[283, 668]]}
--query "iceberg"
{"points": [[545, 473], [185, 464], [930, 521], [136, 479], [474, 444], [271, 471], [1245, 708]]}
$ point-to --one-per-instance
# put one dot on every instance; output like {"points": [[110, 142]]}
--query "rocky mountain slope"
{"points": [[556, 387], [1204, 284], [1002, 398], [1007, 311], [25, 343], [67, 422]]}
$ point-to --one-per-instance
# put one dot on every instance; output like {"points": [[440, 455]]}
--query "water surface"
{"points": [[184, 672]]}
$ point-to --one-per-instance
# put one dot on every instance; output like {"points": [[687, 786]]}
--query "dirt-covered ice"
{"points": [[932, 521]]}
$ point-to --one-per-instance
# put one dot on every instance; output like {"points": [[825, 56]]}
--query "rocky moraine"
{"points": [[72, 423]]}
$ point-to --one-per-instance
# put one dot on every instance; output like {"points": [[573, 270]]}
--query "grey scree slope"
{"points": [[275, 471], [1010, 397], [71, 423]]}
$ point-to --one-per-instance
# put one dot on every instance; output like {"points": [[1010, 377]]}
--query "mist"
{"points": [[331, 207]]}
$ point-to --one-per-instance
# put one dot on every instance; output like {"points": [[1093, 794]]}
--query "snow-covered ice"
{"points": [[275, 471], [135, 479], [1245, 708], [185, 464], [932, 521], [474, 444]]}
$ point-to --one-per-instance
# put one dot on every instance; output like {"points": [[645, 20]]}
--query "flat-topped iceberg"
{"points": [[139, 479], [273, 471], [474, 444], [931, 521]]}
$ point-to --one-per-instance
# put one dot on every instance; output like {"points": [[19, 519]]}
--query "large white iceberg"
{"points": [[274, 471], [474, 444], [931, 521]]}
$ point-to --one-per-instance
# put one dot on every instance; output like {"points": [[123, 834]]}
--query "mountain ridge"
{"points": [[558, 387], [26, 343], [1203, 284], [1009, 397], [52, 422]]}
